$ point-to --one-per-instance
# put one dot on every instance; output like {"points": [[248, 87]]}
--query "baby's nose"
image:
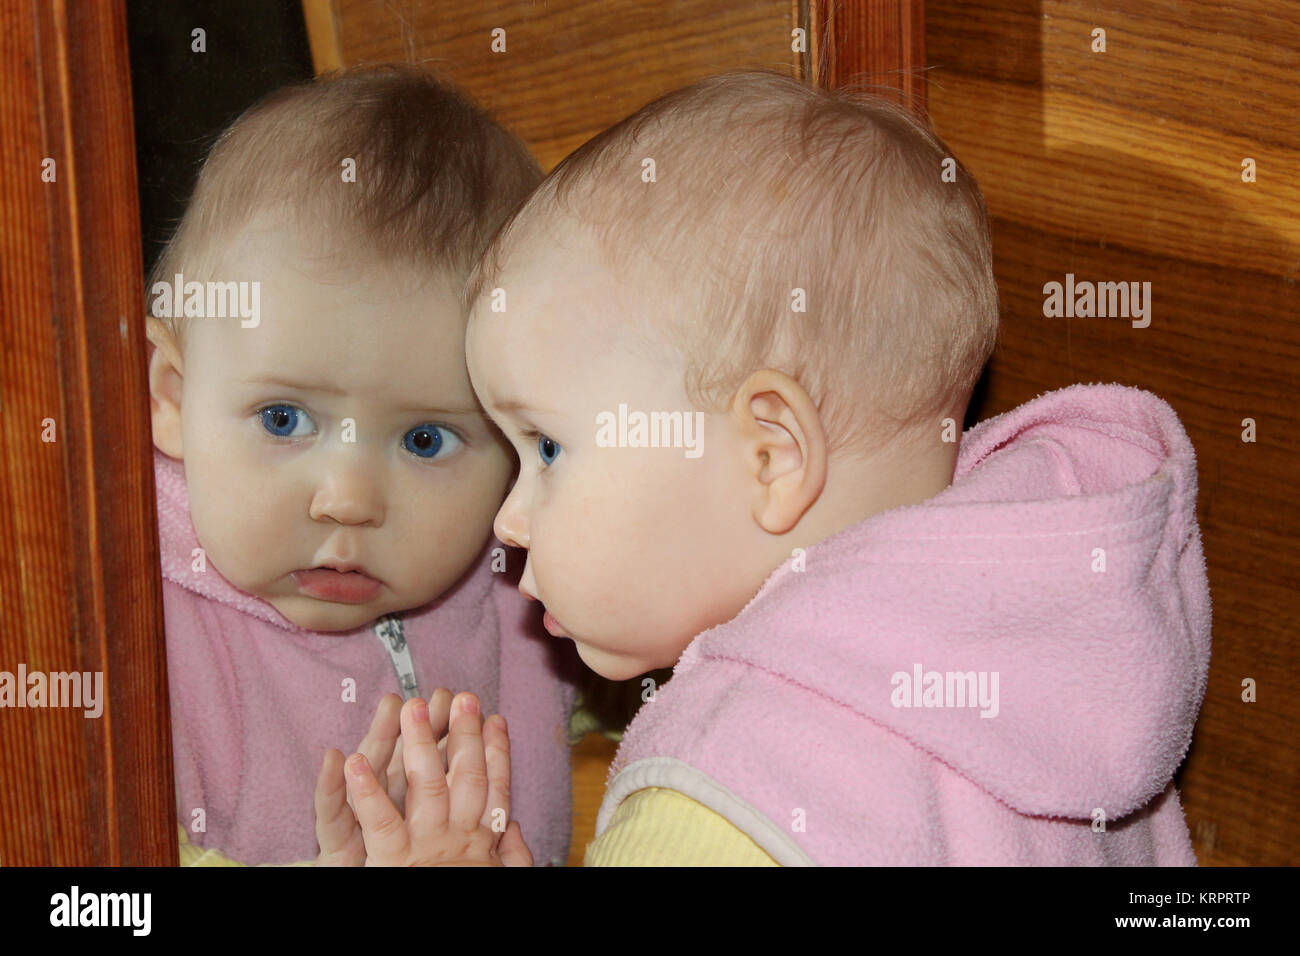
{"points": [[350, 496], [510, 525]]}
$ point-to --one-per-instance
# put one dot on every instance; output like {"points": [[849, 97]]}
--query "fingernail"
{"points": [[420, 711], [468, 704], [356, 765]]}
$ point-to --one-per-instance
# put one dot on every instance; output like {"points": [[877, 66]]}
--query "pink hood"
{"points": [[1100, 673]]}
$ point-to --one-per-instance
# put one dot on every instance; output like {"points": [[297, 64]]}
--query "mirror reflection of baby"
{"points": [[892, 643], [326, 478]]}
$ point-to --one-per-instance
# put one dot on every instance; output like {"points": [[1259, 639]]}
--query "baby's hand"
{"points": [[455, 818], [337, 831]]}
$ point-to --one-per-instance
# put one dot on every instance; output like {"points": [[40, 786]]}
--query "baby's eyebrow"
{"points": [[332, 390], [441, 409], [300, 386], [515, 405]]}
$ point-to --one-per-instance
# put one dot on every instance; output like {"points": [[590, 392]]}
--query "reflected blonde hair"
{"points": [[435, 174]]}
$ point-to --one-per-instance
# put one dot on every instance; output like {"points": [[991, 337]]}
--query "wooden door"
{"points": [[80, 590]]}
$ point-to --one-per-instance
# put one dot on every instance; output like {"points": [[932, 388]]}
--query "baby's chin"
{"points": [[316, 615], [615, 667]]}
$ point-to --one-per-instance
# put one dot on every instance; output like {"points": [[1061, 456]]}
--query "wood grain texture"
{"points": [[322, 34], [1126, 165], [871, 44], [570, 69], [79, 581], [591, 756]]}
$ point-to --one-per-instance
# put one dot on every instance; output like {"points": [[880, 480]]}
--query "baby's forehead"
{"points": [[308, 251], [354, 319], [549, 302]]}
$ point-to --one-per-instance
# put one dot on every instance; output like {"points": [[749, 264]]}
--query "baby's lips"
{"points": [[344, 587]]}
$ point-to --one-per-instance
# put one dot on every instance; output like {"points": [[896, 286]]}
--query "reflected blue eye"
{"points": [[548, 448], [284, 421], [427, 441]]}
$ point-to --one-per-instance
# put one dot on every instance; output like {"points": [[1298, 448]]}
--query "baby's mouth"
{"points": [[553, 626], [343, 587]]}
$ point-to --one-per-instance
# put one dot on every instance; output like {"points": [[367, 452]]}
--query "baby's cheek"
{"points": [[440, 541], [242, 532], [249, 553]]}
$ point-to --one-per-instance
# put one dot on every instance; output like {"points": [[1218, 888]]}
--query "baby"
{"points": [[733, 340], [326, 478]]}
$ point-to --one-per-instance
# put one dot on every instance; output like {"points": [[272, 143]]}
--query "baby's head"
{"points": [[330, 420], [809, 273]]}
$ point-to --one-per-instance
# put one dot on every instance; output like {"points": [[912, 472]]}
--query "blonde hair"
{"points": [[766, 185], [435, 175]]}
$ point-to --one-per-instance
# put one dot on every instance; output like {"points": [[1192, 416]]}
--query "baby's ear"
{"points": [[166, 369], [785, 447]]}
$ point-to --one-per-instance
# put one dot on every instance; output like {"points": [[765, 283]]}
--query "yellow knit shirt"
{"points": [[661, 827]]}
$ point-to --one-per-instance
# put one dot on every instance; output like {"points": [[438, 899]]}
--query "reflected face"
{"points": [[340, 431], [632, 550]]}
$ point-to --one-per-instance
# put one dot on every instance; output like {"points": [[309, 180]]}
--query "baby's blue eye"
{"points": [[427, 441], [548, 448], [283, 421]]}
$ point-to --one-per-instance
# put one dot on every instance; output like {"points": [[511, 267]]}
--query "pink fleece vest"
{"points": [[1007, 673], [256, 700]]}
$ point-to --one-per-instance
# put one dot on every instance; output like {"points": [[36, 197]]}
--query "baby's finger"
{"points": [[382, 827], [426, 795], [397, 777], [335, 825], [496, 751], [439, 717], [467, 767], [381, 739], [514, 852], [440, 710]]}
